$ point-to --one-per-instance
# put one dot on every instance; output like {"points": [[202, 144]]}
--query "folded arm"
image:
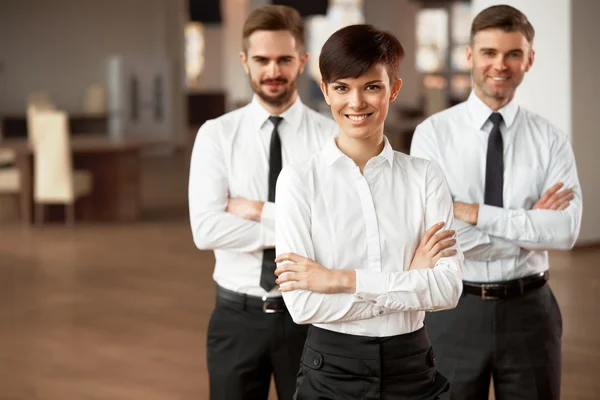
{"points": [[318, 295], [293, 225], [427, 289], [212, 226], [480, 246], [541, 229]]}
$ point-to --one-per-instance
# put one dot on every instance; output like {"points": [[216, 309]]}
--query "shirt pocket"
{"points": [[524, 187]]}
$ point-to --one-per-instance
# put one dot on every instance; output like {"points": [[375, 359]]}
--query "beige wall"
{"points": [[62, 46], [212, 77], [399, 17], [586, 110]]}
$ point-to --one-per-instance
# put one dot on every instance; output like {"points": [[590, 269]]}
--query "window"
{"points": [[432, 39], [194, 53], [443, 32]]}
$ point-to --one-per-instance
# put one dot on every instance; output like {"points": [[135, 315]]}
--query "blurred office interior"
{"points": [[102, 292]]}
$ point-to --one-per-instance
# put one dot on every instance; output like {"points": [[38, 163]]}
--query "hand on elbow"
{"points": [[433, 246], [243, 208], [302, 273], [552, 199]]}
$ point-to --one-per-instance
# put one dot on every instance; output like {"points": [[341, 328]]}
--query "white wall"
{"points": [[174, 17], [586, 111]]}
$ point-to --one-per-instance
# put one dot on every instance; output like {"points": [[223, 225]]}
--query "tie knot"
{"points": [[275, 120], [496, 118]]}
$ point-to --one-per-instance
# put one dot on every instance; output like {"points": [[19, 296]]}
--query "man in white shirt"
{"points": [[235, 164], [505, 167]]}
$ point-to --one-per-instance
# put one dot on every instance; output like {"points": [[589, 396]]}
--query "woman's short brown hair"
{"points": [[503, 17], [274, 18], [352, 51]]}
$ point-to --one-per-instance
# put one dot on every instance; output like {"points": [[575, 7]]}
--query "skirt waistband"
{"points": [[368, 347]]}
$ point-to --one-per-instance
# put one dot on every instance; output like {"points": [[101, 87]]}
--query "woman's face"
{"points": [[360, 105]]}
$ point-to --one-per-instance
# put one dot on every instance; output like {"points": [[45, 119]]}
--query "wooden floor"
{"points": [[110, 312]]}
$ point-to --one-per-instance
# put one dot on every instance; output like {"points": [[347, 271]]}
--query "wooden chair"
{"points": [[55, 181], [7, 157], [10, 183]]}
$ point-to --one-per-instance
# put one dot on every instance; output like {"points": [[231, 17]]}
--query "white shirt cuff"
{"points": [[489, 217], [370, 284], [268, 237], [267, 217]]}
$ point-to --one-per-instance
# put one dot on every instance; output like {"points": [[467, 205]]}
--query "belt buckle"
{"points": [[270, 301], [484, 289]]}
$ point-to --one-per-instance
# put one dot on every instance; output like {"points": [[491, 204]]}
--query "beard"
{"points": [[479, 81], [278, 99]]}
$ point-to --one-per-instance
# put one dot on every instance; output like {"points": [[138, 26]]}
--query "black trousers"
{"points": [[515, 340], [340, 366], [246, 346]]}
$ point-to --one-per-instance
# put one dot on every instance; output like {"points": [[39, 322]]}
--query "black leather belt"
{"points": [[268, 305], [507, 289]]}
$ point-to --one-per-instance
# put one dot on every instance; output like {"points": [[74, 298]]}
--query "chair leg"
{"points": [[39, 214], [70, 211]]}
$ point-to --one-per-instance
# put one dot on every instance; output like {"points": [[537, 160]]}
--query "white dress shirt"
{"points": [[510, 242], [231, 159], [372, 223]]}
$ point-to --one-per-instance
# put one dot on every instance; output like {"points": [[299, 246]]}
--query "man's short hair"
{"points": [[274, 18], [505, 18]]}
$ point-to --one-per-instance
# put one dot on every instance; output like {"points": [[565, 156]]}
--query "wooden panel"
{"points": [[204, 106], [15, 126], [116, 186]]}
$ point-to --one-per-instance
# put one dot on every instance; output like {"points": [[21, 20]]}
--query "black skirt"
{"points": [[340, 366]]}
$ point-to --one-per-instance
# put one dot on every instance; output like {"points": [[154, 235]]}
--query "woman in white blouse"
{"points": [[361, 250]]}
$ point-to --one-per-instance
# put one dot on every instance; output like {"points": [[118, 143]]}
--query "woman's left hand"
{"points": [[304, 273]]}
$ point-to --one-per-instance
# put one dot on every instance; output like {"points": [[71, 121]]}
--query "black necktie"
{"points": [[494, 167], [267, 275]]}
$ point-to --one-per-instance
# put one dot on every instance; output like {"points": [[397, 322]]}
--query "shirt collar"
{"points": [[291, 116], [331, 152], [480, 112]]}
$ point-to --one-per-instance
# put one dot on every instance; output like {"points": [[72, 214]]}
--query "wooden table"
{"points": [[115, 166]]}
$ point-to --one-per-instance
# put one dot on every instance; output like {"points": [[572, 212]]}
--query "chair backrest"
{"points": [[32, 108], [53, 164]]}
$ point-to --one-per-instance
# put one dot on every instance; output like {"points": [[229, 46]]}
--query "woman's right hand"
{"points": [[433, 247]]}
